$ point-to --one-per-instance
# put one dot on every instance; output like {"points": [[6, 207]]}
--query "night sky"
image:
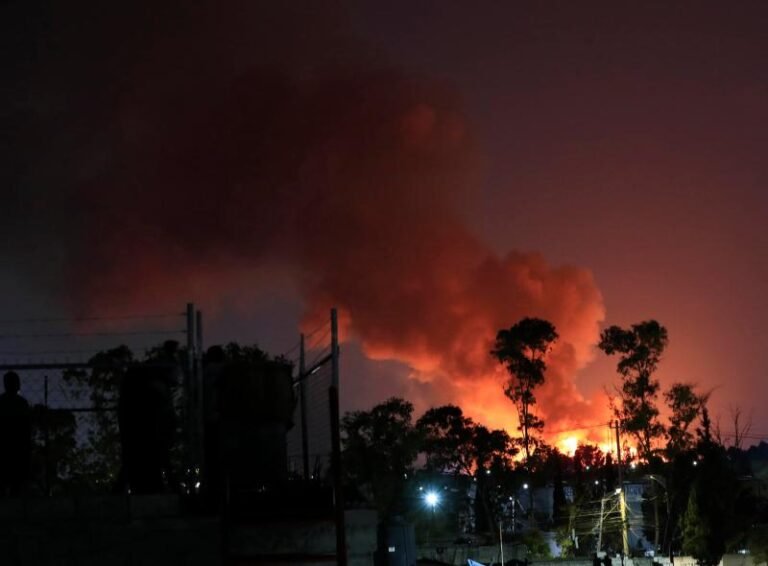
{"points": [[436, 170]]}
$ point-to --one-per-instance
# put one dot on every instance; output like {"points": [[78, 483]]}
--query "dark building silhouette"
{"points": [[147, 423], [213, 363]]}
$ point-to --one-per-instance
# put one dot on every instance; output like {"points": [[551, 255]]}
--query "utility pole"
{"points": [[199, 391], [192, 389], [333, 398], [600, 528], [501, 543], [622, 499]]}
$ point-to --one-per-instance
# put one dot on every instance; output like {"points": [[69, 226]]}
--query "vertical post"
{"points": [[46, 457], [514, 515], [191, 335], [333, 398], [501, 543], [622, 499], [189, 387], [303, 408], [199, 393], [600, 523]]}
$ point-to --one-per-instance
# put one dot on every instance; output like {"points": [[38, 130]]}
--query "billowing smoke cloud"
{"points": [[174, 177]]}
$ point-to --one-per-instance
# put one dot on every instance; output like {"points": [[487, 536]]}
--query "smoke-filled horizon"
{"points": [[177, 178], [434, 183]]}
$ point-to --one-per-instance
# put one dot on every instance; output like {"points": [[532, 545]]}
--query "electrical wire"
{"points": [[88, 318], [92, 334]]}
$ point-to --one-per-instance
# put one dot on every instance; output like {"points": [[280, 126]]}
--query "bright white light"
{"points": [[618, 490], [525, 486], [431, 498], [597, 482]]}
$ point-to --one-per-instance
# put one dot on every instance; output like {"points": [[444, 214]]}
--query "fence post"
{"points": [[199, 393], [303, 409], [338, 488], [189, 388], [46, 455]]}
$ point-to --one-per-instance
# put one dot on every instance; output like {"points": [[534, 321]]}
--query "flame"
{"points": [[568, 445]]}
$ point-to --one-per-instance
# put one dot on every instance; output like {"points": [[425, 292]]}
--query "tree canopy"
{"points": [[639, 349], [522, 349], [380, 447]]}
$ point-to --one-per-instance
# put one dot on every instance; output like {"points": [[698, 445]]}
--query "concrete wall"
{"points": [[150, 530], [309, 538], [459, 553], [104, 530]]}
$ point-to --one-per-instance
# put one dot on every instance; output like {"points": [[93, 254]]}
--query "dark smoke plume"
{"points": [[170, 154]]}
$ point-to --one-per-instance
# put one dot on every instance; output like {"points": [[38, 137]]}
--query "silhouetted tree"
{"points": [[379, 449], [453, 443], [522, 349], [639, 349], [56, 459], [708, 521], [447, 440], [685, 405], [99, 462]]}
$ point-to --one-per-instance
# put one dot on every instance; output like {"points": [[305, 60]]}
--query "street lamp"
{"points": [[432, 499]]}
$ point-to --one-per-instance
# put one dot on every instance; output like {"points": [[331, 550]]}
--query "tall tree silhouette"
{"points": [[639, 349], [522, 349]]}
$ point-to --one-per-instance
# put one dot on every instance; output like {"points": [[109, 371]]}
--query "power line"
{"points": [[320, 341], [91, 334], [88, 318], [308, 335]]}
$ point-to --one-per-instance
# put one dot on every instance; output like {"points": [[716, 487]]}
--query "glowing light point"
{"points": [[431, 498]]}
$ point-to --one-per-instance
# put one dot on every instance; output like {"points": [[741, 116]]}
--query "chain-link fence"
{"points": [[310, 440], [70, 375]]}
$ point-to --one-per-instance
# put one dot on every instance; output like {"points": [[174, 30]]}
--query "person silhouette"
{"points": [[15, 437]]}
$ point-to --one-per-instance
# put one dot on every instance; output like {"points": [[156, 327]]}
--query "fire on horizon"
{"points": [[435, 172]]}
